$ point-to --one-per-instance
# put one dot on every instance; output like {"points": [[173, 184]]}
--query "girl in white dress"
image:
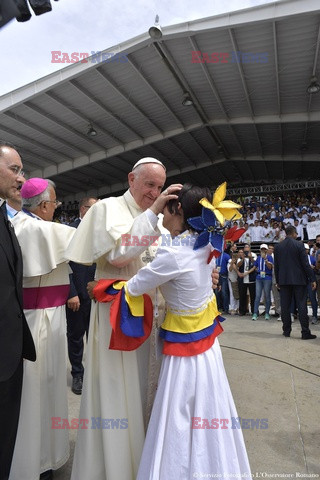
{"points": [[193, 427]]}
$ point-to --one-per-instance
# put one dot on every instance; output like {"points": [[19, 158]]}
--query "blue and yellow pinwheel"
{"points": [[213, 219], [223, 209]]}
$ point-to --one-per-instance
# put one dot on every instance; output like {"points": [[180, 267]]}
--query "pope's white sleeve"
{"points": [[142, 234], [162, 269]]}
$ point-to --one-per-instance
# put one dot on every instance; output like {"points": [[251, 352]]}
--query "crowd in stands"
{"points": [[265, 218], [67, 213]]}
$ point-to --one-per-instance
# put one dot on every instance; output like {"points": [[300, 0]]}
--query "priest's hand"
{"points": [[170, 193], [215, 278], [90, 287], [74, 303]]}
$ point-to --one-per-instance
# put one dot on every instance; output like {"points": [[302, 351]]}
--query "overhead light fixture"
{"points": [[155, 31], [220, 149], [91, 131], [314, 86], [187, 100]]}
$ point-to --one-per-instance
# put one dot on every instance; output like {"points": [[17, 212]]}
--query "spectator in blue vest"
{"points": [[222, 291], [264, 265]]}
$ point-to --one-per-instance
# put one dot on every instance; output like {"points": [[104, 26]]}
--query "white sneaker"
{"points": [[279, 318], [292, 318]]}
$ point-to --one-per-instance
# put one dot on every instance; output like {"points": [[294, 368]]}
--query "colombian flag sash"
{"points": [[130, 317]]}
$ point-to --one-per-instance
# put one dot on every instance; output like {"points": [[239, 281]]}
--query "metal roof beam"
{"points": [[314, 69], [38, 129], [33, 142], [58, 122], [250, 169], [244, 85], [102, 171], [115, 117], [265, 166], [209, 79], [236, 170], [276, 158], [154, 91], [65, 185], [76, 112], [126, 98], [182, 152], [24, 151], [170, 63], [205, 153], [261, 119], [276, 65]]}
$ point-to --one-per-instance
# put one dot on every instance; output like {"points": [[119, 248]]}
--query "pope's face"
{"points": [[10, 163], [146, 184]]}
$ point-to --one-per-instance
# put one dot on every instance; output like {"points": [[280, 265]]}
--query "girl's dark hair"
{"points": [[189, 197]]}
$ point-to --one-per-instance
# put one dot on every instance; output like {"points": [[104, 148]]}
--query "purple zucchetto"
{"points": [[33, 187]]}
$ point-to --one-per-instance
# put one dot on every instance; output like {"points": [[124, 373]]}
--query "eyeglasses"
{"points": [[57, 202], [17, 170]]}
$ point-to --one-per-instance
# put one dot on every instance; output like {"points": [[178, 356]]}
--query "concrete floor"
{"points": [[266, 389]]}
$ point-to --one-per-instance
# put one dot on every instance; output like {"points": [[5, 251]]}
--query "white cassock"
{"points": [[193, 430], [115, 383], [39, 447]]}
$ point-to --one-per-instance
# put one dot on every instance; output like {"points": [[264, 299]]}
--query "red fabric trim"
{"points": [[118, 340], [191, 348], [99, 290]]}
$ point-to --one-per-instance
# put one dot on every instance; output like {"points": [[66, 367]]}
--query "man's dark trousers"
{"points": [[299, 292], [78, 322], [77, 327], [10, 394]]}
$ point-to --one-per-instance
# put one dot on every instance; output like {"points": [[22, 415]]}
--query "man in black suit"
{"points": [[16, 341], [79, 307], [293, 273]]}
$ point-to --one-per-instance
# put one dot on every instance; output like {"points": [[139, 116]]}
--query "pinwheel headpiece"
{"points": [[215, 218]]}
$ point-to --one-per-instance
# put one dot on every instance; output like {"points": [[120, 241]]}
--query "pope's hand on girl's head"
{"points": [[170, 193]]}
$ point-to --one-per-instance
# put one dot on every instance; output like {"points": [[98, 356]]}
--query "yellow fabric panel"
{"points": [[181, 323]]}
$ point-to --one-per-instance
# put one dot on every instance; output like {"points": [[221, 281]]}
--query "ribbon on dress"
{"points": [[130, 317], [186, 334]]}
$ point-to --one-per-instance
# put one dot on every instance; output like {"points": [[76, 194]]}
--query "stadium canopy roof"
{"points": [[251, 121]]}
